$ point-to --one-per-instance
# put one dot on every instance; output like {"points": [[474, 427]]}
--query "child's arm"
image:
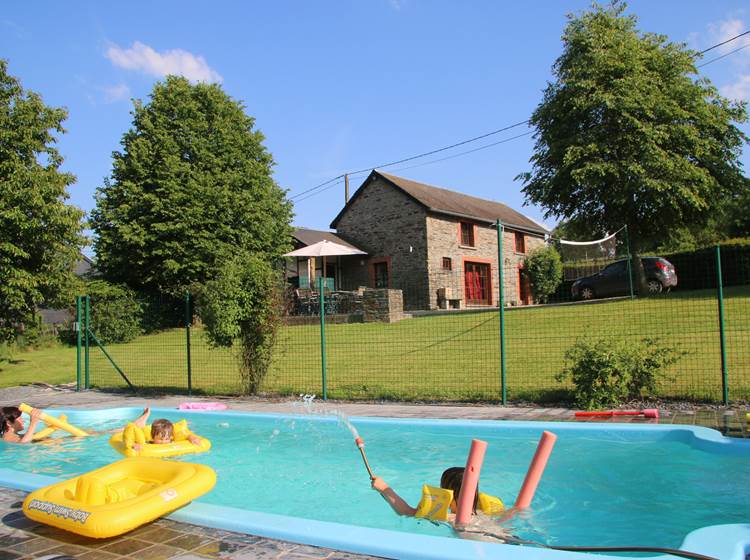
{"points": [[394, 500], [143, 418], [35, 414]]}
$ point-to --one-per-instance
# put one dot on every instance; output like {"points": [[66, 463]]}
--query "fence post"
{"points": [[722, 335], [188, 323], [501, 303], [78, 342], [322, 299], [86, 315], [629, 260]]}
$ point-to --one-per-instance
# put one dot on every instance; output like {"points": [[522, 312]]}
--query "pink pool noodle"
{"points": [[465, 502], [538, 463], [202, 406], [647, 413]]}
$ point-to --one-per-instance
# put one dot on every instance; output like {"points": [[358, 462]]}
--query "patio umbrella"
{"points": [[324, 249]]}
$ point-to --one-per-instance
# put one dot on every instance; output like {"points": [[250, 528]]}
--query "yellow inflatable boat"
{"points": [[119, 497], [124, 442]]}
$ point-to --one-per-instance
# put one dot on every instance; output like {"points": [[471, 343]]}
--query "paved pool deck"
{"points": [[165, 539]]}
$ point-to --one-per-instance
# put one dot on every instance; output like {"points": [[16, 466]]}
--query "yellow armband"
{"points": [[490, 505], [435, 503]]}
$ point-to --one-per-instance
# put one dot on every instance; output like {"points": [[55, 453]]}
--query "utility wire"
{"points": [[723, 56], [410, 158], [717, 45], [327, 184], [466, 152]]}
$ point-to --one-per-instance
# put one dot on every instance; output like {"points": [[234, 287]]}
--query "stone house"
{"points": [[438, 246]]}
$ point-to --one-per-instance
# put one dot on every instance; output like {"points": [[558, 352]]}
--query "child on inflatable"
{"points": [[162, 430], [450, 480], [11, 424]]}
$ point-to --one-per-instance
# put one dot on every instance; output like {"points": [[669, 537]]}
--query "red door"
{"points": [[477, 283]]}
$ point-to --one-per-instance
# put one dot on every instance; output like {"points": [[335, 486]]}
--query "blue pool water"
{"points": [[605, 485]]}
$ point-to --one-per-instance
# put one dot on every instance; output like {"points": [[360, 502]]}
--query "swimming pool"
{"points": [[301, 478]]}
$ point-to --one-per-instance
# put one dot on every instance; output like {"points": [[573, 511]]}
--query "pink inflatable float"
{"points": [[202, 406]]}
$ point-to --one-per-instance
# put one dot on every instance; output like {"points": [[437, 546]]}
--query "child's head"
{"points": [[162, 431], [452, 479], [10, 420]]}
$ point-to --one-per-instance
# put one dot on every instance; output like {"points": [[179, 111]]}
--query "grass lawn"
{"points": [[453, 357]]}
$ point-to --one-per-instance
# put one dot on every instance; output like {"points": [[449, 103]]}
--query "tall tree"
{"points": [[40, 235], [628, 134], [192, 186]]}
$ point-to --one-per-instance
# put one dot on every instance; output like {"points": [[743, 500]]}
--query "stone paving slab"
{"points": [[165, 539]]}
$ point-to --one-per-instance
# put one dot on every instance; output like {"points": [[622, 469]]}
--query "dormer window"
{"points": [[467, 234]]}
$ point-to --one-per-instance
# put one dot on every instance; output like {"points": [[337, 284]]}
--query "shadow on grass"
{"points": [[157, 391]]}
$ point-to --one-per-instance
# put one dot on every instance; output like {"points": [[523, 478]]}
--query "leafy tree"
{"points": [[192, 184], [545, 270], [243, 302], [627, 133], [41, 235]]}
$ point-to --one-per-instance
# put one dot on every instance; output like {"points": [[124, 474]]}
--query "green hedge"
{"points": [[696, 270]]}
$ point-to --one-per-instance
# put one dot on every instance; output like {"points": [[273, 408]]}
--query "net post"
{"points": [[722, 334], [87, 301], [629, 261], [322, 298], [188, 322], [501, 305], [78, 342]]}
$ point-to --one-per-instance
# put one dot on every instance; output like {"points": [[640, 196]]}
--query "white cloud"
{"points": [[116, 93], [143, 58], [738, 90]]}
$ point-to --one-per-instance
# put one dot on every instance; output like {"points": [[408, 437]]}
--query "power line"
{"points": [[466, 152], [723, 56], [704, 51], [321, 190], [499, 130], [410, 158]]}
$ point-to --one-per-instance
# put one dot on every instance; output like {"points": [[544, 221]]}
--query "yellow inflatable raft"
{"points": [[132, 434], [119, 497]]}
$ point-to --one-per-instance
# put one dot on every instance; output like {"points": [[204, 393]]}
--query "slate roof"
{"points": [[309, 236], [444, 201]]}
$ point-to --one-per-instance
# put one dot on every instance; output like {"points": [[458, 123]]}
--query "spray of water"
{"points": [[312, 407]]}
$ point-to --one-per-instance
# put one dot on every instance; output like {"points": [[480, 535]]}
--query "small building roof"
{"points": [[311, 236], [444, 201]]}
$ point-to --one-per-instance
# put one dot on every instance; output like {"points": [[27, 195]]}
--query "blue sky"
{"points": [[334, 86]]}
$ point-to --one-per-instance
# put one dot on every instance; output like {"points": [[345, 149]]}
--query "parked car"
{"points": [[613, 280]]}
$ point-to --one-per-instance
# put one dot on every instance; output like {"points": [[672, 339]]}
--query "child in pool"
{"points": [[11, 424], [162, 430], [451, 479]]}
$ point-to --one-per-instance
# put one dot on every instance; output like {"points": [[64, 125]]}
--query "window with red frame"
{"points": [[467, 234], [447, 263], [520, 243]]}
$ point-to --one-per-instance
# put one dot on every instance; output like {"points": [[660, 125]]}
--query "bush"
{"points": [[243, 305], [608, 372], [545, 271], [115, 314]]}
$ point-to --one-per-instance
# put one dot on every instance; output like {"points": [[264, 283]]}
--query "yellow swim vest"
{"points": [[132, 434], [435, 503]]}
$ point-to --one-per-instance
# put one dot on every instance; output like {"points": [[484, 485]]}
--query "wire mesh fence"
{"points": [[437, 336]]}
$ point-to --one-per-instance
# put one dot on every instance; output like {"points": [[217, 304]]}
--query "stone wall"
{"points": [[384, 306], [384, 222]]}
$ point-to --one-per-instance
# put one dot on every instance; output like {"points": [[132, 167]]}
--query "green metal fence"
{"points": [[450, 335]]}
